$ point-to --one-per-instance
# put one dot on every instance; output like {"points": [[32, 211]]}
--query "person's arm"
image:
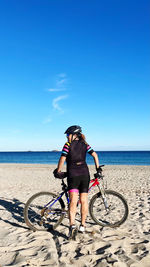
{"points": [[61, 163], [63, 156], [94, 155], [96, 160]]}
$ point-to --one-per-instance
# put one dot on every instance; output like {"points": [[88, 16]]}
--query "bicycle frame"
{"points": [[59, 196], [95, 182], [65, 191]]}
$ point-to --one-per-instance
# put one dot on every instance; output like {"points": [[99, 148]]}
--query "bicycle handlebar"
{"points": [[96, 175]]}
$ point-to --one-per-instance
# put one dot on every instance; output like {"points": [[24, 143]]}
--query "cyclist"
{"points": [[78, 177]]}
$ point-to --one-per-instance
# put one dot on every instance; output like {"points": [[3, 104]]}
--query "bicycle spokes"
{"points": [[44, 210], [110, 211]]}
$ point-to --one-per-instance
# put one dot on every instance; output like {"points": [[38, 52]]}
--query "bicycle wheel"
{"points": [[117, 211], [43, 211]]}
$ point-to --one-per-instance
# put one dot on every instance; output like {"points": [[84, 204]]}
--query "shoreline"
{"points": [[55, 164]]}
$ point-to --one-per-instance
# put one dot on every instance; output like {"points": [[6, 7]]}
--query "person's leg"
{"points": [[84, 207], [73, 195]]}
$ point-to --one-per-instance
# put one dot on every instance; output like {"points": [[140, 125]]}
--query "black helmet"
{"points": [[75, 129]]}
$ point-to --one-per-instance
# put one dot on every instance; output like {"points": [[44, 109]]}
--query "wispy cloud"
{"points": [[61, 82], [56, 89], [56, 101], [59, 86]]}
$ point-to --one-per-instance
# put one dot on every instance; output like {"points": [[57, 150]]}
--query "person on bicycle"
{"points": [[78, 177]]}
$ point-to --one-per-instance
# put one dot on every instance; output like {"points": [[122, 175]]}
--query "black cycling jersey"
{"points": [[75, 153]]}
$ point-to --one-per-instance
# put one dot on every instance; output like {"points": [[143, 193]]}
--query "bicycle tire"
{"points": [[113, 217], [38, 217]]}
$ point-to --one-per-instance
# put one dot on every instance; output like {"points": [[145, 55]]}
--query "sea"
{"points": [[52, 157]]}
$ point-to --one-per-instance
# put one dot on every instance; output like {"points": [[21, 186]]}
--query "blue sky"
{"points": [[65, 62]]}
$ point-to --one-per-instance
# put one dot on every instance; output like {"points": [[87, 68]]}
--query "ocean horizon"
{"points": [[52, 157]]}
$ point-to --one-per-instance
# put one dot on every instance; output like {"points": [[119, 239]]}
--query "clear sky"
{"points": [[66, 62]]}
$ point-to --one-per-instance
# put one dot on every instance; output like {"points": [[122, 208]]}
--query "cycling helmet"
{"points": [[75, 129]]}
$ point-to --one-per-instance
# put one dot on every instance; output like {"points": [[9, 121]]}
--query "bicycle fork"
{"points": [[102, 191]]}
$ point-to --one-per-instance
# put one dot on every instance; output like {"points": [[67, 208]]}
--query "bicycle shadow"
{"points": [[15, 207], [55, 233]]}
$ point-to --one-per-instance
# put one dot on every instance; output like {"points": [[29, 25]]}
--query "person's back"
{"points": [[78, 177], [77, 152]]}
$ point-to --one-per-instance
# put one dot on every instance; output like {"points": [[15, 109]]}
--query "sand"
{"points": [[127, 245]]}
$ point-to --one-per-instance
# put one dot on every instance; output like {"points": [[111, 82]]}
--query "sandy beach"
{"points": [[125, 246]]}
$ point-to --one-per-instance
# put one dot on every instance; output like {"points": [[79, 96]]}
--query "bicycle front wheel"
{"points": [[116, 212], [43, 211]]}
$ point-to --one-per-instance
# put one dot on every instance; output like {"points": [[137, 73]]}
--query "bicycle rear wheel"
{"points": [[117, 211], [43, 211]]}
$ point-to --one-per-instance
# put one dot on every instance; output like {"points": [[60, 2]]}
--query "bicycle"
{"points": [[45, 209]]}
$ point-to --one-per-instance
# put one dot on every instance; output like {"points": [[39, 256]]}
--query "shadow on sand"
{"points": [[15, 207]]}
